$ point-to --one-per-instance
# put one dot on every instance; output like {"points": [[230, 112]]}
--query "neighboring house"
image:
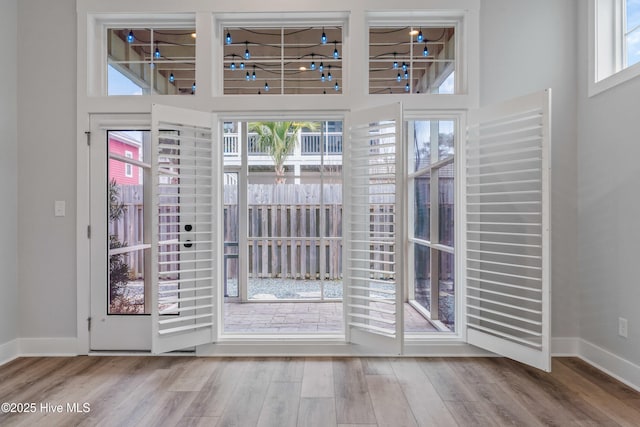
{"points": [[124, 145]]}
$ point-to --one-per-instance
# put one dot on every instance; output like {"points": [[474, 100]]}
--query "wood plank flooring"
{"points": [[313, 391]]}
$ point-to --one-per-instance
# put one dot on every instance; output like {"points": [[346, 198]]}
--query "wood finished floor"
{"points": [[191, 391]]}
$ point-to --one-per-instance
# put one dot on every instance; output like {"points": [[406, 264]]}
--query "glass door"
{"points": [[120, 241]]}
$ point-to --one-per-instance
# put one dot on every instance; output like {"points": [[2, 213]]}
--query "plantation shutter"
{"points": [[508, 231], [186, 241], [373, 275]]}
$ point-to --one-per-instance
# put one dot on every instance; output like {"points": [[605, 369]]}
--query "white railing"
{"points": [[310, 144]]}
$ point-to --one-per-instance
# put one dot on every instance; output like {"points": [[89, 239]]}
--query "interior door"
{"points": [[508, 232], [373, 199], [186, 244]]}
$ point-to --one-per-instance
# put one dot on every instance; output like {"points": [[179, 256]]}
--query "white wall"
{"points": [[528, 46], [46, 167], [609, 210], [8, 171]]}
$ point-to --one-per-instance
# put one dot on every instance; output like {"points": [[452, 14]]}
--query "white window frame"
{"points": [[128, 167], [607, 46]]}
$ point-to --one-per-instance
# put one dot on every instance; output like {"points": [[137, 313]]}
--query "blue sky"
{"points": [[119, 84]]}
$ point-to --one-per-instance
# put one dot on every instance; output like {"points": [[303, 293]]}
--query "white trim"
{"points": [[49, 347], [619, 368], [9, 351]]}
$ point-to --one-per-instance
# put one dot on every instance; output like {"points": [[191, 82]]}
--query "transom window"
{"points": [[411, 59], [143, 61], [282, 60], [632, 32]]}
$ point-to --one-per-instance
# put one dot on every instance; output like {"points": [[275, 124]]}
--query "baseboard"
{"points": [[30, 347], [9, 351], [614, 365]]}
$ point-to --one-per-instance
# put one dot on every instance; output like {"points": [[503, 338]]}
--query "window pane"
{"points": [[282, 60], [422, 207], [125, 223], [633, 14], [421, 144], [145, 61], [410, 59], [446, 289], [633, 47], [422, 268], [446, 201], [446, 139]]}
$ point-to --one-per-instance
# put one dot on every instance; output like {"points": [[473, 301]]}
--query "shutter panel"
{"points": [[185, 247], [508, 231], [373, 275]]}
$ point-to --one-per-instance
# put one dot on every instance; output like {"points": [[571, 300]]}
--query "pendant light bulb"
{"points": [[313, 63], [323, 38], [399, 77], [425, 51], [395, 61], [156, 54], [404, 66], [406, 75], [228, 39], [336, 54], [247, 55], [242, 65], [321, 67], [253, 76], [130, 37], [247, 76], [266, 87], [172, 78], [336, 86], [193, 87], [329, 76], [407, 88], [232, 67], [420, 37], [322, 77]]}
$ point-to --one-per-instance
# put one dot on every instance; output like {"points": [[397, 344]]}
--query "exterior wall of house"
{"points": [[8, 174], [608, 156], [117, 169]]}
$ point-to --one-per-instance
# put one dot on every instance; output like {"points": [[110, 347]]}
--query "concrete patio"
{"points": [[300, 317]]}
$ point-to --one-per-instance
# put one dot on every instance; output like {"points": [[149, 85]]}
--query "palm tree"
{"points": [[278, 140]]}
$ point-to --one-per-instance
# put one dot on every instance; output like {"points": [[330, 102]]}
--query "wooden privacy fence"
{"points": [[293, 232]]}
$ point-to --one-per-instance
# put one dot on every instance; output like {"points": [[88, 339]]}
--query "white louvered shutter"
{"points": [[508, 232], [373, 276], [186, 234]]}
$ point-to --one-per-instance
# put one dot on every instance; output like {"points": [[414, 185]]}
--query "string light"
{"points": [[171, 78], [242, 65], [404, 66], [322, 77], [156, 54], [247, 76], [407, 88], [193, 87], [321, 67], [228, 39], [336, 86], [247, 55], [313, 63], [329, 76], [336, 55], [395, 62], [399, 78], [323, 38], [130, 37], [420, 36], [266, 87], [425, 51], [232, 67], [253, 76], [406, 75]]}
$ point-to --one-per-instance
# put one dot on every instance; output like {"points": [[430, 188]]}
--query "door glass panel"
{"points": [[446, 290], [422, 285], [125, 204], [422, 207], [231, 235], [446, 202]]}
